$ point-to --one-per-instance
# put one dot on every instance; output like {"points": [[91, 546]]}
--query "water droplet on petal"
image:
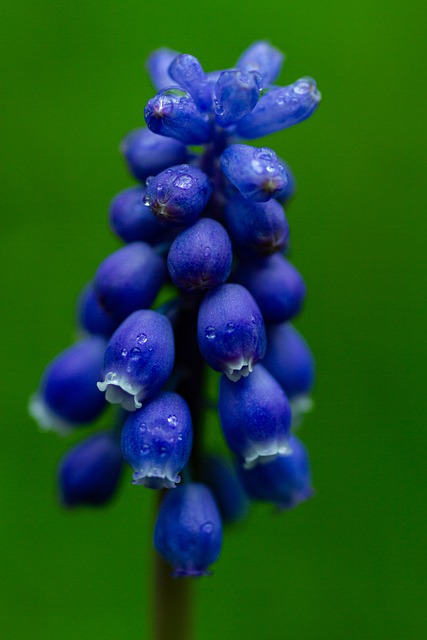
{"points": [[230, 327], [124, 352], [141, 338], [210, 333], [184, 182], [207, 252], [207, 527], [147, 201], [173, 420], [145, 448]]}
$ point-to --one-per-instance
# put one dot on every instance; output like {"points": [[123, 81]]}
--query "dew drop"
{"points": [[207, 527], [302, 87], [180, 437], [145, 448], [135, 352], [210, 333], [143, 428], [141, 338], [184, 182], [148, 180], [253, 320], [163, 451], [124, 352], [230, 327], [173, 420], [147, 201], [207, 252]]}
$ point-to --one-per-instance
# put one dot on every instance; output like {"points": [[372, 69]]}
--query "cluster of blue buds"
{"points": [[207, 220]]}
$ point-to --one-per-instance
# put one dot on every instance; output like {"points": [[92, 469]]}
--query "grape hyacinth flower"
{"points": [[201, 282]]}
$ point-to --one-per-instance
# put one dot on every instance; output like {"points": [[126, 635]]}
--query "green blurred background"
{"points": [[351, 562]]}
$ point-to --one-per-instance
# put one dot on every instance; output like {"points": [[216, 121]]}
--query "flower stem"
{"points": [[172, 610]]}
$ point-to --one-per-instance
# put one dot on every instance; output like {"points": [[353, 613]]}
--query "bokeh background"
{"points": [[351, 562]]}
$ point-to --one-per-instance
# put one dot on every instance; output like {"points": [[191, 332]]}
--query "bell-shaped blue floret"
{"points": [[158, 64], [188, 530], [289, 360], [264, 59], [276, 285], [90, 472], [188, 73], [236, 94], [91, 317], [226, 487], [129, 279], [259, 229], [285, 481], [230, 331], [147, 154], [132, 221], [68, 396], [201, 256], [174, 113], [281, 107], [256, 173], [255, 416], [179, 194], [138, 360], [157, 439]]}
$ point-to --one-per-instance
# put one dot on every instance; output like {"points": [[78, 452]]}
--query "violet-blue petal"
{"points": [[131, 220], [178, 195], [289, 359], [158, 64], [138, 360], [259, 229], [90, 472], [174, 113], [218, 474], [68, 396], [255, 416], [288, 192], [147, 153], [262, 57], [188, 530], [236, 94], [201, 256], [280, 108], [230, 330], [285, 481], [157, 440], [129, 279], [188, 73], [276, 285], [257, 173], [91, 317]]}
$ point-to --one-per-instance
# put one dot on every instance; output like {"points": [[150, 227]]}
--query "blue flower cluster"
{"points": [[211, 222]]}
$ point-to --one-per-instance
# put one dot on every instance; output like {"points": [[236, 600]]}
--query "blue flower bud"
{"points": [[158, 64], [179, 194], [129, 279], [257, 173], [226, 487], [138, 360], [255, 416], [147, 154], [258, 228], [276, 285], [91, 317], [188, 531], [89, 473], [131, 220], [289, 360], [157, 439], [236, 94], [288, 192], [285, 481], [174, 113], [280, 108], [264, 59], [68, 396], [201, 256], [230, 331], [187, 71]]}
